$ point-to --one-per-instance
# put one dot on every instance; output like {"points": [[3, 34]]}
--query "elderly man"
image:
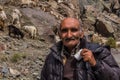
{"points": [[75, 59]]}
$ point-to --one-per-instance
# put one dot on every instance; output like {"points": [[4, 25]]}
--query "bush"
{"points": [[3, 58], [17, 56], [111, 42]]}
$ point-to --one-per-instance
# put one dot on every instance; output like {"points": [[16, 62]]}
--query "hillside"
{"points": [[22, 59]]}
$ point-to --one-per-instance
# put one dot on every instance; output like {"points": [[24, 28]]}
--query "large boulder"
{"points": [[88, 24], [3, 47], [118, 44], [104, 27], [43, 21]]}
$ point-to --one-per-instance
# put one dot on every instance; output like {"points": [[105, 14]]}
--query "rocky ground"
{"points": [[22, 59], [116, 54]]}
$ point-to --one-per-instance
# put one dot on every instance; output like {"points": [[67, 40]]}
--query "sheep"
{"points": [[32, 30], [17, 33]]}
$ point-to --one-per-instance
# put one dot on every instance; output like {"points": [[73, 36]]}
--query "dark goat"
{"points": [[15, 31], [2, 26]]}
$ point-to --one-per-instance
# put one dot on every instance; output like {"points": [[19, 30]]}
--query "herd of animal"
{"points": [[14, 28]]}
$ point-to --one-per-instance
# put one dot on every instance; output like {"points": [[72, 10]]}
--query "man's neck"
{"points": [[72, 49]]}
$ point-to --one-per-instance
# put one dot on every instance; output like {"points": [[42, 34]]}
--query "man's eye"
{"points": [[64, 30], [74, 30]]}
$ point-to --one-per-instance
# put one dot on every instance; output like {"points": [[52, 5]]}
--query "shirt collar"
{"points": [[64, 51]]}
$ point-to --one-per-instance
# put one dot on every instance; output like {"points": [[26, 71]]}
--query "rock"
{"points": [[45, 16], [118, 50], [15, 73], [66, 11], [8, 52], [118, 44], [106, 6], [57, 15], [5, 70], [117, 56], [104, 27], [116, 4], [60, 1], [3, 47], [48, 35], [88, 24], [53, 4], [35, 74], [90, 11], [24, 72], [57, 38], [112, 18]]}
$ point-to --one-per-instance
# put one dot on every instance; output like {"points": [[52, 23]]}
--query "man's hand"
{"points": [[88, 56]]}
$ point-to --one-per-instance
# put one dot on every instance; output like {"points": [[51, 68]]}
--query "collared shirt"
{"points": [[66, 54], [69, 62]]}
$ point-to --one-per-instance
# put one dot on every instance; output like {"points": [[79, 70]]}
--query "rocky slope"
{"points": [[22, 59]]}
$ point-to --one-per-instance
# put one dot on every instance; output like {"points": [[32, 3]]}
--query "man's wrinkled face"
{"points": [[70, 32]]}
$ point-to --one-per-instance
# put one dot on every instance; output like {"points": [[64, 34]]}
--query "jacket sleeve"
{"points": [[106, 67], [45, 70]]}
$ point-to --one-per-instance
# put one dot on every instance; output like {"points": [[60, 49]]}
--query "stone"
{"points": [[118, 44], [15, 73], [104, 27], [3, 47]]}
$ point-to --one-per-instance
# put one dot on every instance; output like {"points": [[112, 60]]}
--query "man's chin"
{"points": [[70, 44]]}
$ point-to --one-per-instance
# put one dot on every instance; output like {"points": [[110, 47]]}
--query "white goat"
{"points": [[28, 2], [32, 30], [16, 17], [17, 11], [2, 13], [3, 17], [60, 1]]}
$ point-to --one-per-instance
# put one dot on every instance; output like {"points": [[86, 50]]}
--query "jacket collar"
{"points": [[57, 48]]}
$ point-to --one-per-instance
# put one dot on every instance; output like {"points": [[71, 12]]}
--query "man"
{"points": [[93, 62]]}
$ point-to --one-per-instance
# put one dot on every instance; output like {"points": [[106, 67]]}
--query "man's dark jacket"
{"points": [[105, 69]]}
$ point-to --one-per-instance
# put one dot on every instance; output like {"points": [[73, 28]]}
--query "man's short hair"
{"points": [[80, 22]]}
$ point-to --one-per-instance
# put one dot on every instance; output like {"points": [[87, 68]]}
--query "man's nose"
{"points": [[69, 34]]}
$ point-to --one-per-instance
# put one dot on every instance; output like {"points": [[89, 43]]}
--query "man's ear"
{"points": [[81, 34], [59, 34]]}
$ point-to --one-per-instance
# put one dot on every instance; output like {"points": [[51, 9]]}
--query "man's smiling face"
{"points": [[70, 32]]}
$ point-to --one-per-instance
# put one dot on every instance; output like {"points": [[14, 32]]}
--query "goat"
{"points": [[3, 17], [2, 25], [32, 30], [16, 17], [17, 33], [18, 12], [28, 3], [60, 1]]}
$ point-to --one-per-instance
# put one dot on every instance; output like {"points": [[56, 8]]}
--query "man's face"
{"points": [[70, 32]]}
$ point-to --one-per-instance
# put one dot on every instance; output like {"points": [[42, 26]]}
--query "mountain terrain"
{"points": [[22, 58]]}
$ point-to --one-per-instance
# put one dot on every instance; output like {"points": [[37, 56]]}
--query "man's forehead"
{"points": [[70, 20], [67, 22]]}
